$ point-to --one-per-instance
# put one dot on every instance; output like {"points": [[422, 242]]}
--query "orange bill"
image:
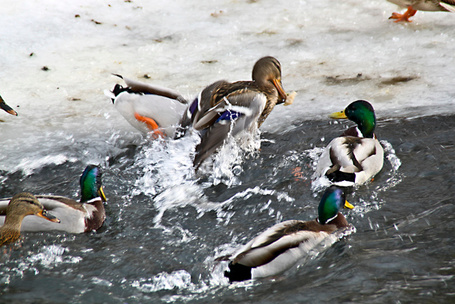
{"points": [[279, 87], [46, 215]]}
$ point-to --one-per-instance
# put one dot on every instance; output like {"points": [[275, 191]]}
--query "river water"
{"points": [[166, 225]]}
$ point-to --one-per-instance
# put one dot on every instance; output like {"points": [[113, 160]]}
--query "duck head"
{"points": [[91, 185], [332, 201], [24, 204], [6, 107], [362, 113], [267, 74]]}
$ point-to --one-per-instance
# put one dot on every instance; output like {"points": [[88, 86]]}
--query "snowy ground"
{"points": [[57, 57]]}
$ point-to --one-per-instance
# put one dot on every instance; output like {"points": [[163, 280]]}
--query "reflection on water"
{"points": [[166, 224]]}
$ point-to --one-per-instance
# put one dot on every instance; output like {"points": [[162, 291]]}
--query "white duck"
{"points": [[357, 156], [148, 108]]}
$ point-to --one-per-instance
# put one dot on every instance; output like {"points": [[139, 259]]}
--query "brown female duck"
{"points": [[225, 108], [76, 217], [20, 206]]}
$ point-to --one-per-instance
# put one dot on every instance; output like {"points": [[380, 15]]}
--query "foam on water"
{"points": [[48, 258], [51, 256], [180, 279]]}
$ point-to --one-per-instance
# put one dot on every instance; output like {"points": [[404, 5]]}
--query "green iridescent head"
{"points": [[332, 201], [362, 113], [91, 186]]}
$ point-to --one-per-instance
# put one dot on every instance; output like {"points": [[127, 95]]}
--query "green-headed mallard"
{"points": [[225, 108], [283, 245], [18, 208], [421, 5], [6, 107], [148, 108], [76, 217], [357, 156]]}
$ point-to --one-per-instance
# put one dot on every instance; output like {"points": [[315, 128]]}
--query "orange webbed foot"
{"points": [[405, 16], [151, 124], [298, 174]]}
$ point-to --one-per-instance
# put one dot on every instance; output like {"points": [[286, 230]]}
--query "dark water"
{"points": [[165, 226]]}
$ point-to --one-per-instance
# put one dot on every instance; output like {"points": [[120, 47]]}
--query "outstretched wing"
{"points": [[229, 117]]}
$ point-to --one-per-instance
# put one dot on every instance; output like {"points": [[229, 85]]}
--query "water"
{"points": [[165, 225]]}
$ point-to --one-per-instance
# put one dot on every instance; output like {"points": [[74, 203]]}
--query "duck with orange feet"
{"points": [[421, 5], [148, 108]]}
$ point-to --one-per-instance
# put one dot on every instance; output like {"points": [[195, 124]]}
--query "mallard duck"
{"points": [[357, 156], [281, 246], [18, 208], [148, 108], [225, 108], [76, 217], [421, 5], [6, 107]]}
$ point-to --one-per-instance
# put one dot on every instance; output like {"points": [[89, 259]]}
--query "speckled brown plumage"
{"points": [[266, 79], [20, 206], [225, 108]]}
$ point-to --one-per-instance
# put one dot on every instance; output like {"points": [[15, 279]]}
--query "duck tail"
{"points": [[238, 272], [338, 176]]}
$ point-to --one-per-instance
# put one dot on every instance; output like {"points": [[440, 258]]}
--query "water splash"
{"points": [[51, 256], [179, 279], [226, 165]]}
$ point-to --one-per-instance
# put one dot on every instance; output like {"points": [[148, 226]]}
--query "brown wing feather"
{"points": [[67, 201], [451, 2]]}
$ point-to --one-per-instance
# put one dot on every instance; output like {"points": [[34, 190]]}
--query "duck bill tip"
{"points": [[7, 108], [282, 94], [12, 112], [348, 205], [46, 215], [102, 195]]}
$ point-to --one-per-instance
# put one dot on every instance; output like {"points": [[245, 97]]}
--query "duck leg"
{"points": [[151, 124], [405, 16]]}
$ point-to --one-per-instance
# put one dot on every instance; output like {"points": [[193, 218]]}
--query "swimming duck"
{"points": [[76, 217], [357, 156], [225, 108], [18, 208], [281, 246], [6, 107], [421, 5], [148, 108]]}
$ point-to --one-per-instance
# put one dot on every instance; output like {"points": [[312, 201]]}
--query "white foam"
{"points": [[179, 279]]}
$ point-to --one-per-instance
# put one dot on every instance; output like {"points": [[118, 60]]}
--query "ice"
{"points": [[331, 54]]}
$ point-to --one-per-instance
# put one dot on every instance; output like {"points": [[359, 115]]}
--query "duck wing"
{"points": [[230, 116], [351, 159], [279, 239], [144, 88]]}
